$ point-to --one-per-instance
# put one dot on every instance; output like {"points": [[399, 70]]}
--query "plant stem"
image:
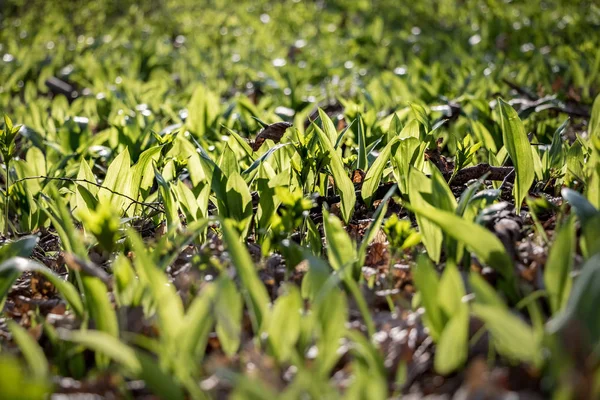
{"points": [[6, 196]]}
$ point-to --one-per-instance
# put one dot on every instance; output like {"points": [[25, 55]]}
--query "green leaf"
{"points": [[427, 281], [203, 110], [142, 171], [31, 350], [519, 149], [239, 202], [484, 293], [557, 272], [332, 316], [22, 247], [488, 248], [117, 179], [170, 203], [594, 126], [197, 325], [137, 364], [241, 141], [12, 268], [451, 290], [84, 199], [256, 296], [411, 130], [99, 306], [229, 310], [431, 234], [582, 307], [361, 162], [283, 323], [583, 208], [421, 115], [341, 250], [328, 127], [409, 152], [340, 177], [513, 337], [164, 295], [263, 158], [375, 172], [555, 153], [452, 347], [127, 287]]}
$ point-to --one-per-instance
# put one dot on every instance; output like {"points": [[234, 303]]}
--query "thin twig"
{"points": [[76, 180]]}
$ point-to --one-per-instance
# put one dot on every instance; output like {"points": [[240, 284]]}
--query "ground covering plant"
{"points": [[330, 199]]}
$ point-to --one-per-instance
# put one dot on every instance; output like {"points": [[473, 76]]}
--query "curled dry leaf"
{"points": [[274, 132]]}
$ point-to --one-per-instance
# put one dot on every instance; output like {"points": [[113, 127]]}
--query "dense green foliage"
{"points": [[161, 235]]}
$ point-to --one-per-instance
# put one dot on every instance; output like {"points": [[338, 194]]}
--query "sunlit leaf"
{"points": [[519, 149]]}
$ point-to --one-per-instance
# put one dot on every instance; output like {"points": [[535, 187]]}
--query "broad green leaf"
{"points": [[555, 157], [427, 281], [451, 290], [441, 194], [187, 201], [375, 172], [197, 325], [36, 165], [328, 127], [228, 162], [583, 208], [341, 250], [421, 115], [452, 347], [557, 272], [255, 293], [263, 158], [137, 365], [332, 316], [484, 293], [17, 383], [82, 201], [431, 234], [118, 180], [283, 323], [99, 306], [513, 337], [488, 248], [142, 172], [484, 136], [241, 142], [340, 177], [60, 216], [409, 152], [169, 200], [127, 287], [410, 130], [315, 278], [203, 110], [31, 350], [164, 295], [519, 149], [582, 307], [239, 202], [229, 310], [22, 247], [590, 241]]}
